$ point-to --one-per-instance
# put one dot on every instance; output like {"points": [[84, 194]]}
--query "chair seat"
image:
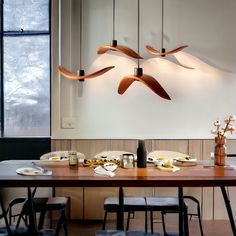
{"points": [[124, 233], [52, 203], [171, 205], [57, 201], [130, 203], [162, 203]]}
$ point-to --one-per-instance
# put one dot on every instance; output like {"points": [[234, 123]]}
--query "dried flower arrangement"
{"points": [[222, 132], [220, 138]]}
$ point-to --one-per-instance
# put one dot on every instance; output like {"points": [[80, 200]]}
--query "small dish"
{"points": [[168, 169], [185, 161], [110, 166]]}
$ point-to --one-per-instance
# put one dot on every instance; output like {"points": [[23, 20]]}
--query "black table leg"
{"points": [[32, 220], [120, 212], [229, 210], [181, 212]]}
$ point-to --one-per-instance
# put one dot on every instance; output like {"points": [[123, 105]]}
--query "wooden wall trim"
{"points": [[212, 204]]}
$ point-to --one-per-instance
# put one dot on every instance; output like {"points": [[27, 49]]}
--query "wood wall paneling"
{"points": [[76, 196], [208, 200], [61, 144], [94, 200], [212, 204], [129, 145], [195, 149], [231, 149]]}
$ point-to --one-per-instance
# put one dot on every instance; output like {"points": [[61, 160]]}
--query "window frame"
{"points": [[22, 34]]}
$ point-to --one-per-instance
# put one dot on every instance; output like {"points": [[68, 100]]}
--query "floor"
{"points": [[211, 228]]}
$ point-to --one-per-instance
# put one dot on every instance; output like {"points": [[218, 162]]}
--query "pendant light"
{"points": [[81, 76], [163, 51], [114, 46], [147, 80]]}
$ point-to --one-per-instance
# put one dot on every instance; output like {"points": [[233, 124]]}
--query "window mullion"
{"points": [[24, 33], [1, 70]]}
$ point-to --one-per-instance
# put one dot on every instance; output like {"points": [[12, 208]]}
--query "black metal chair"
{"points": [[131, 205], [13, 214], [55, 204], [8, 229], [41, 205], [3, 215], [171, 205]]}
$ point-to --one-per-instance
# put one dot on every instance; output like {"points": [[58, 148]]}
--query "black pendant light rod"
{"points": [[81, 72], [114, 17], [114, 41], [162, 22], [138, 27], [80, 35]]}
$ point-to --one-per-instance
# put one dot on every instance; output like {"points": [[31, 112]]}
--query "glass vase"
{"points": [[220, 151]]}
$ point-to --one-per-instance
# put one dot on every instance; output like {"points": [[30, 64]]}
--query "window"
{"points": [[25, 68]]}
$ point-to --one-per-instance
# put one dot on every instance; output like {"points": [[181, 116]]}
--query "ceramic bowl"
{"points": [[110, 166]]}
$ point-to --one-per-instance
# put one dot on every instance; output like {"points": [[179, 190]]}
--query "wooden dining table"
{"points": [[65, 176]]}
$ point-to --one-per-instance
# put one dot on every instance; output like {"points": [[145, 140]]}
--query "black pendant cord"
{"points": [[138, 28], [162, 22], [80, 37], [114, 17]]}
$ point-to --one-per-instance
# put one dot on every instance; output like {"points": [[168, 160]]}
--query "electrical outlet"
{"points": [[68, 123]]}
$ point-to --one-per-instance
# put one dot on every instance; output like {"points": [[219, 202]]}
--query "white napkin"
{"points": [[101, 171]]}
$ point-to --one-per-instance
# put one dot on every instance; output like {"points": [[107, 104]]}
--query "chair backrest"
{"points": [[48, 155]]}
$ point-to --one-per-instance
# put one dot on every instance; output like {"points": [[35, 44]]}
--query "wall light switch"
{"points": [[68, 123]]}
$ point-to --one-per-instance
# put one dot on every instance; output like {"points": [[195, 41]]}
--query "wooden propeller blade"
{"points": [[123, 49], [149, 81], [67, 74], [158, 53], [72, 76], [125, 83]]}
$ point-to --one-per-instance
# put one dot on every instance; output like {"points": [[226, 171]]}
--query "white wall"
{"points": [[199, 96]]}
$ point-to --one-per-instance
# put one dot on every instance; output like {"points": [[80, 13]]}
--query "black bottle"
{"points": [[141, 155]]}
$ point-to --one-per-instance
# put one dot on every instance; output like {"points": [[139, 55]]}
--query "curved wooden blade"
{"points": [[123, 49], [67, 74], [70, 75], [148, 80], [158, 53], [125, 83]]}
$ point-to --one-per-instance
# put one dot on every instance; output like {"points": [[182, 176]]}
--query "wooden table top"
{"points": [[65, 176]]}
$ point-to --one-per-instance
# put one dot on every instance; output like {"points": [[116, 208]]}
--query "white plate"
{"points": [[181, 162], [168, 169], [31, 171], [154, 156], [49, 156]]}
